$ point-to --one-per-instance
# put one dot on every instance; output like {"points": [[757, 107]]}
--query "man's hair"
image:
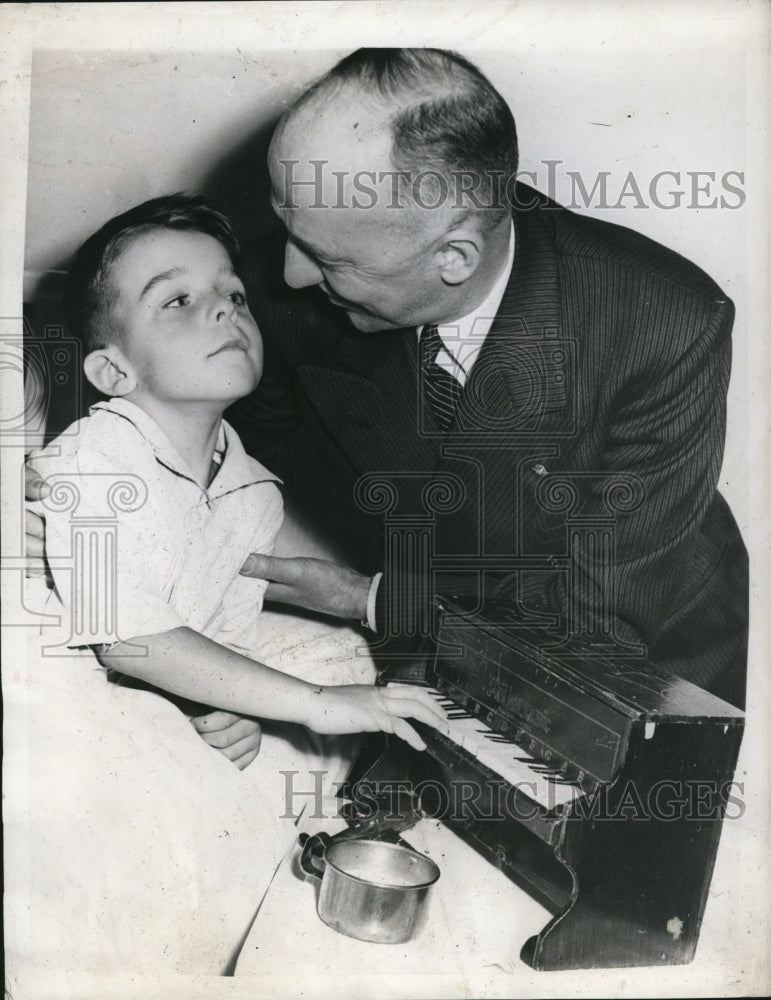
{"points": [[90, 294], [449, 118]]}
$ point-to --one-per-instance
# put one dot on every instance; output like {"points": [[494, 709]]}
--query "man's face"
{"points": [[376, 263], [186, 329]]}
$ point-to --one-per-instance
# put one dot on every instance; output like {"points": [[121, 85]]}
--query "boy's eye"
{"points": [[178, 302], [238, 298]]}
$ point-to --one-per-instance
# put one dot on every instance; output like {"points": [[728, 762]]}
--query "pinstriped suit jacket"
{"points": [[594, 416]]}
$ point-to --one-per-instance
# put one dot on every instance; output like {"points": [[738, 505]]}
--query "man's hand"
{"points": [[35, 527], [236, 736], [315, 584]]}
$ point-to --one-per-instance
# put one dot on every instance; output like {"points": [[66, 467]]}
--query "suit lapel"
{"points": [[521, 373], [368, 398], [530, 303]]}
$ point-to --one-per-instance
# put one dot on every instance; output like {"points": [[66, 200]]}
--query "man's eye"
{"points": [[238, 298], [178, 302]]}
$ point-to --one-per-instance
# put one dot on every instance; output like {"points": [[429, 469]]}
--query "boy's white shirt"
{"points": [[179, 553]]}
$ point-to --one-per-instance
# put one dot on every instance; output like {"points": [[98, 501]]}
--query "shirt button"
{"points": [[540, 470]]}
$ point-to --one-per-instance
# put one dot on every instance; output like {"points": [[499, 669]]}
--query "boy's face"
{"points": [[186, 329]]}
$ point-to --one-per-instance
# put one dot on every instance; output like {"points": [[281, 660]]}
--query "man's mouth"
{"points": [[341, 303], [336, 300], [354, 309]]}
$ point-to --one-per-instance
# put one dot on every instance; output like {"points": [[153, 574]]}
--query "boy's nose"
{"points": [[300, 270], [224, 309]]}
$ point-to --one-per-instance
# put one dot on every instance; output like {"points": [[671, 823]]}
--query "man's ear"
{"points": [[109, 371], [459, 256]]}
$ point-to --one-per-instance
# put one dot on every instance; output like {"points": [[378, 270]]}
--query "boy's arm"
{"points": [[186, 663]]}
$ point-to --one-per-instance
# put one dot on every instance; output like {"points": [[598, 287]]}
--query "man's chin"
{"points": [[368, 324]]}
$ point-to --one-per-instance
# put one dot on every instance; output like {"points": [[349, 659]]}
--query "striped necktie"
{"points": [[441, 389]]}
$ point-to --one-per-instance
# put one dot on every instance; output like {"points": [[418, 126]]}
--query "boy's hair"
{"points": [[89, 294]]}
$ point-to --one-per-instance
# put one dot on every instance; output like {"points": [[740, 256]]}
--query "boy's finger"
{"points": [[246, 760], [404, 731], [34, 487], [233, 738], [214, 721], [233, 751], [430, 702], [34, 533], [418, 703], [423, 713], [35, 567]]}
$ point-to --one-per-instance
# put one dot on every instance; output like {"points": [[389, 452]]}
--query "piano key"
{"points": [[503, 756]]}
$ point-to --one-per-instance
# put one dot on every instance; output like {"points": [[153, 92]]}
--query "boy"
{"points": [[170, 341], [135, 847]]}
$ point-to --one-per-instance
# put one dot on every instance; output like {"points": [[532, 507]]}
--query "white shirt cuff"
{"points": [[369, 622]]}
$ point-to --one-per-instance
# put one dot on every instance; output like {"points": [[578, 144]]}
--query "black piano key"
{"points": [[552, 773]]}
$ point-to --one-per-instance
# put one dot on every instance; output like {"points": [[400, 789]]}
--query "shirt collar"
{"points": [[236, 468], [463, 338]]}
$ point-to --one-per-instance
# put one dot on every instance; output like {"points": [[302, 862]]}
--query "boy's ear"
{"points": [[109, 371]]}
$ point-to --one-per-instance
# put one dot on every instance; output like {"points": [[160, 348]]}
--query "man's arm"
{"points": [[668, 434], [314, 584]]}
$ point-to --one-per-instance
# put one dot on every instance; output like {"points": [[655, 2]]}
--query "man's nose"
{"points": [[300, 270]]}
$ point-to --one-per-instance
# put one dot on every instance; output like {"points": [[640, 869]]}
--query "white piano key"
{"points": [[504, 758]]}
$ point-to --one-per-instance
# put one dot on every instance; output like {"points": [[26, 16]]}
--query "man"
{"points": [[574, 405]]}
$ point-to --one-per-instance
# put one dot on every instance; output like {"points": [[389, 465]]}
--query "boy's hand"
{"points": [[238, 737], [35, 527], [310, 583], [361, 708]]}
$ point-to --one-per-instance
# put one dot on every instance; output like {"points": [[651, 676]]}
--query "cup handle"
{"points": [[312, 857]]}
